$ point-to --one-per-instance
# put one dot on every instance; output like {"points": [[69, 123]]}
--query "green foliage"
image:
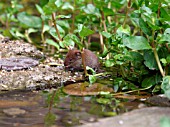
{"points": [[136, 42], [166, 85], [134, 35]]}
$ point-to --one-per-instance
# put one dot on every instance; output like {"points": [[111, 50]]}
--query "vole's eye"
{"points": [[70, 59]]}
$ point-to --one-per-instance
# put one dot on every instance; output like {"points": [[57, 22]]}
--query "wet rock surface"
{"points": [[17, 63], [18, 48], [21, 69], [159, 100], [145, 117]]}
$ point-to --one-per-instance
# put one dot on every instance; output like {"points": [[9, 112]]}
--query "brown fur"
{"points": [[73, 60]]}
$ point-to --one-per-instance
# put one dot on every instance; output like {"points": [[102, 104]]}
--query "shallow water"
{"points": [[51, 107]]}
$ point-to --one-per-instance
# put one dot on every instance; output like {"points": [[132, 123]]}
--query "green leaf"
{"points": [[148, 82], [51, 42], [105, 51], [68, 42], [92, 79], [91, 70], [137, 57], [109, 63], [150, 61], [91, 9], [67, 6], [46, 28], [166, 86], [29, 20], [145, 28], [108, 11], [106, 34], [136, 42], [168, 59], [164, 14], [63, 24], [40, 10], [104, 101], [61, 43], [163, 60], [58, 3], [54, 34], [166, 36], [50, 7], [85, 32], [123, 31], [71, 39], [151, 81], [64, 16], [31, 30]]}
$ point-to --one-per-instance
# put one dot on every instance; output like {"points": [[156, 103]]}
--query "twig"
{"points": [[156, 56], [127, 12], [101, 41], [103, 21], [83, 62], [132, 91], [55, 26], [52, 100]]}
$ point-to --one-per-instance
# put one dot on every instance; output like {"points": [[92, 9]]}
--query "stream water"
{"points": [[53, 107]]}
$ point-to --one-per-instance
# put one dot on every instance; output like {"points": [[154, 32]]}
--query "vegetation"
{"points": [[134, 35]]}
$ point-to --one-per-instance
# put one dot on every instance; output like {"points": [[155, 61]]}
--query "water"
{"points": [[53, 107]]}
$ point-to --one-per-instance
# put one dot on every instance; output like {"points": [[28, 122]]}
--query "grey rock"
{"points": [[145, 117]]}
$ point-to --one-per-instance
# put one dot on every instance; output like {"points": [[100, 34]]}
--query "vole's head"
{"points": [[72, 58]]}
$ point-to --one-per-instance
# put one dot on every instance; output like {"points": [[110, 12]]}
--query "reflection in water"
{"points": [[28, 108]]}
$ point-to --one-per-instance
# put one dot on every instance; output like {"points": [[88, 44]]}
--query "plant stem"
{"points": [[27, 36], [120, 93], [167, 47], [156, 56], [42, 32], [127, 12], [103, 21], [52, 100], [123, 72], [101, 41], [42, 36], [73, 19], [83, 62], [158, 62], [55, 26]]}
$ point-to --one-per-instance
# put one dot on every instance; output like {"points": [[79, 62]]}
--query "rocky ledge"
{"points": [[20, 67]]}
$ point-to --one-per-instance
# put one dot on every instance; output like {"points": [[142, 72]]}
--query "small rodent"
{"points": [[73, 60]]}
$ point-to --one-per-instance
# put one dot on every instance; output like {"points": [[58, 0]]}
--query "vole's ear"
{"points": [[78, 53]]}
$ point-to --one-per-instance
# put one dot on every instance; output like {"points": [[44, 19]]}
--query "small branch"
{"points": [[159, 6], [123, 72], [101, 41], [167, 47], [103, 21], [42, 32], [109, 17], [132, 91], [52, 100], [83, 62], [156, 56], [55, 26], [127, 12], [27, 36], [42, 36], [158, 62]]}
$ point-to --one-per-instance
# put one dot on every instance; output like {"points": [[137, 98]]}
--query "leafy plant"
{"points": [[133, 36]]}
